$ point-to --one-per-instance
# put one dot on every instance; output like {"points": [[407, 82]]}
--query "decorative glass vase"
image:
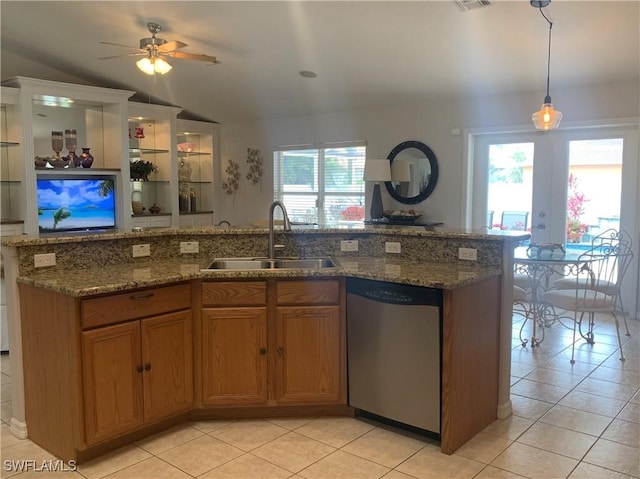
{"points": [[86, 158], [71, 143], [136, 198]]}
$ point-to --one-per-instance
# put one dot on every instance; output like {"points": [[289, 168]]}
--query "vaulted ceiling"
{"points": [[365, 54]]}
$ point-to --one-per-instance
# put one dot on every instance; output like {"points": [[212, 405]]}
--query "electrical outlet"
{"points": [[189, 247], [349, 245], [469, 254], [141, 250], [392, 247], [45, 259]]}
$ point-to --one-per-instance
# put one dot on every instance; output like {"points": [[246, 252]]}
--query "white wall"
{"points": [[428, 121]]}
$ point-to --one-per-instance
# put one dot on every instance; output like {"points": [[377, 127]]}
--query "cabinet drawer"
{"points": [[308, 292], [252, 293], [134, 304]]}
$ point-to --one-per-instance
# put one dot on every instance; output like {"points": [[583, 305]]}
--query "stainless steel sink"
{"points": [[306, 263], [240, 264]]}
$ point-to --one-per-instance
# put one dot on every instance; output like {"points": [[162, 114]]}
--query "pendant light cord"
{"points": [[548, 98]]}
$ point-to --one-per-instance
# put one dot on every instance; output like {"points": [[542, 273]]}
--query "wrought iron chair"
{"points": [[619, 242], [522, 288], [522, 307], [514, 220], [593, 289]]}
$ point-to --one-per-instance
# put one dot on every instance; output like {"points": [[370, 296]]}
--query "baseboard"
{"points": [[505, 410], [18, 428]]}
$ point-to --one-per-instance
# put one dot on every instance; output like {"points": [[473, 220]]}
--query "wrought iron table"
{"points": [[540, 264]]}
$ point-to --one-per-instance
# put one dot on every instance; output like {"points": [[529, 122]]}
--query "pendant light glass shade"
{"points": [[152, 65], [547, 118]]}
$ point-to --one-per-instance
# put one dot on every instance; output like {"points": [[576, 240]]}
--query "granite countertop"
{"points": [[113, 278], [439, 232]]}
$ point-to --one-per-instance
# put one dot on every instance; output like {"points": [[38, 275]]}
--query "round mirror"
{"points": [[414, 172]]}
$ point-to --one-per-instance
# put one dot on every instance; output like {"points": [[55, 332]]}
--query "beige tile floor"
{"points": [[570, 421]]}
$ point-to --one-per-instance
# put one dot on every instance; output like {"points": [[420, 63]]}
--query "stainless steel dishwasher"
{"points": [[394, 338]]}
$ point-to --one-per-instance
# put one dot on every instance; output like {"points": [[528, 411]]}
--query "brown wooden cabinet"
{"points": [[308, 363], [167, 357], [234, 343], [234, 356], [273, 342], [310, 341], [112, 386], [135, 373], [102, 369]]}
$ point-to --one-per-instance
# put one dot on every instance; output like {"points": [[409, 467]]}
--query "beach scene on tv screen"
{"points": [[75, 204]]}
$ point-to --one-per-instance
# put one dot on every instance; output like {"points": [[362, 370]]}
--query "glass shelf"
{"points": [[193, 153], [76, 170], [203, 212], [9, 143], [10, 182], [150, 215], [197, 182], [147, 150]]}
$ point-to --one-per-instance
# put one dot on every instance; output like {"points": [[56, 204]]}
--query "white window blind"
{"points": [[321, 184]]}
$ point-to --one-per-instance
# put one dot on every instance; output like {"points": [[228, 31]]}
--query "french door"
{"points": [[563, 186]]}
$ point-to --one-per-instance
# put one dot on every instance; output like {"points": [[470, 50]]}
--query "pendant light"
{"points": [[547, 118]]}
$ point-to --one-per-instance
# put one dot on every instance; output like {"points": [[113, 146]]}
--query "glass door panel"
{"points": [[594, 189], [510, 186], [569, 184]]}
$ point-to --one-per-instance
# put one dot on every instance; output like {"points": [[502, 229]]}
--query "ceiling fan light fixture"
{"points": [[152, 65], [547, 118]]}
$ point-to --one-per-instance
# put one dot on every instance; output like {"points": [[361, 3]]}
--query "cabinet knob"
{"points": [[263, 351], [139, 369], [280, 352], [147, 367]]}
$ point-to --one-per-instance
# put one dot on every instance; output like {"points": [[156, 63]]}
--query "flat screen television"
{"points": [[76, 203]]}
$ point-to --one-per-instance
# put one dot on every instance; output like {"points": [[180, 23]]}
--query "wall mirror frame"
{"points": [[421, 171]]}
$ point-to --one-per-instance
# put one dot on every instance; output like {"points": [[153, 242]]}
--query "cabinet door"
{"points": [[309, 355], [167, 355], [234, 345], [112, 381]]}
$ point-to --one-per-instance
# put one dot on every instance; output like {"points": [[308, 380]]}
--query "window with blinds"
{"points": [[321, 184]]}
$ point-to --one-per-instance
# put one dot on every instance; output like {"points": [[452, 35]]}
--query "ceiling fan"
{"points": [[154, 49]]}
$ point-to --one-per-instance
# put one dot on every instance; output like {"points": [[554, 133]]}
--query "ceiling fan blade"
{"points": [[193, 56], [134, 54], [171, 46], [119, 45]]}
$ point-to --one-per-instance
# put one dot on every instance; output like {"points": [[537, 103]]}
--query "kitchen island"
{"points": [[96, 274]]}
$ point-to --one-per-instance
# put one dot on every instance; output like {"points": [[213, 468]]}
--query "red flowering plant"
{"points": [[353, 213], [518, 225], [575, 208]]}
